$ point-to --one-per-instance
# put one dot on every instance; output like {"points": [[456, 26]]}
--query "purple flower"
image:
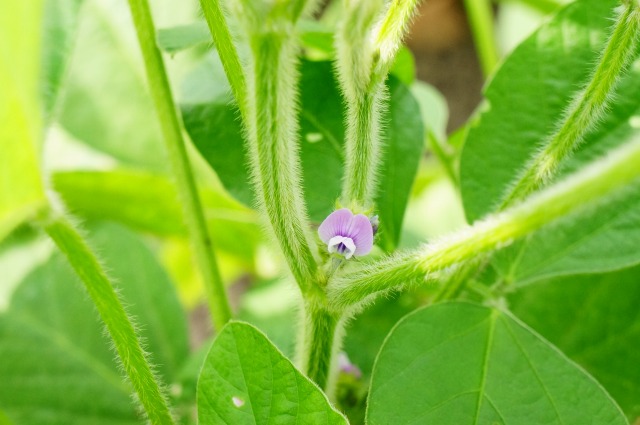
{"points": [[347, 234]]}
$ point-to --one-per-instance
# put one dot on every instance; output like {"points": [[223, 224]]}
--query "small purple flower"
{"points": [[347, 234], [347, 367]]}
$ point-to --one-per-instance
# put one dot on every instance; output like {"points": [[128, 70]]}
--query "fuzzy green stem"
{"points": [[320, 333], [390, 32], [587, 108], [273, 146], [481, 20], [591, 184], [363, 149], [114, 316], [366, 51], [185, 182], [214, 15]]}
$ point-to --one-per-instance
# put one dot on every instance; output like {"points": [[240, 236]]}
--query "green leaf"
{"points": [[459, 363], [214, 128], [175, 39], [60, 25], [57, 366], [540, 77], [246, 380], [21, 190], [595, 320], [404, 66], [148, 202], [404, 143], [433, 108], [366, 333], [105, 103]]}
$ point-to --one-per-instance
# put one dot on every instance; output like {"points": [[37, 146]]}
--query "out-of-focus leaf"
{"points": [[149, 202], [433, 109], [525, 100], [105, 103], [274, 308], [60, 25], [595, 320], [404, 66], [57, 366], [246, 380], [464, 364], [21, 191], [215, 130], [175, 39]]}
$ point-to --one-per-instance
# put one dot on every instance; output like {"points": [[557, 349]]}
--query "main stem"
{"points": [[186, 185], [321, 330], [273, 145], [109, 306]]}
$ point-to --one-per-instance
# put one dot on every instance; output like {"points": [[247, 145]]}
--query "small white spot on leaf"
{"points": [[237, 401], [313, 137]]}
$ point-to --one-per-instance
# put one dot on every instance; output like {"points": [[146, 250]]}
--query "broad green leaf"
{"points": [[57, 366], [366, 333], [175, 39], [60, 24], [246, 380], [404, 66], [595, 320], [148, 202], [273, 308], [433, 108], [524, 101], [105, 103], [459, 363], [21, 191], [215, 130], [4, 420], [313, 35]]}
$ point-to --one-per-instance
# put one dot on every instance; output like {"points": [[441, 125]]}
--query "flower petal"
{"points": [[362, 234], [336, 224], [348, 247]]}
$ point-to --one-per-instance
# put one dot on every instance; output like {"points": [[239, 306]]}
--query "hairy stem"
{"points": [[481, 19], [366, 50], [321, 329], [592, 184], [273, 145], [390, 32], [363, 149], [185, 182], [112, 313], [586, 109], [229, 57]]}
